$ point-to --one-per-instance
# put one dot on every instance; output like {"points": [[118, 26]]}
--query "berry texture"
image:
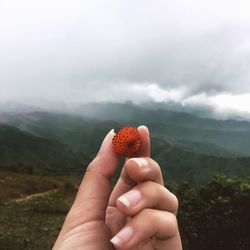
{"points": [[127, 142]]}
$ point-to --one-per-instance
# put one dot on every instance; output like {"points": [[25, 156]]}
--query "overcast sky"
{"points": [[192, 52]]}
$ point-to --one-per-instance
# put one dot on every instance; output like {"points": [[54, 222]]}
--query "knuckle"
{"points": [[147, 213], [156, 171], [72, 215], [175, 202], [171, 224], [161, 220], [172, 201], [93, 167], [155, 164], [173, 220], [148, 188], [92, 164], [153, 216]]}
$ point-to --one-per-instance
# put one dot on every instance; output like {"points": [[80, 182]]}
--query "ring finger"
{"points": [[147, 195], [161, 225]]}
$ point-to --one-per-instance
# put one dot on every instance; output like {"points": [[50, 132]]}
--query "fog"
{"points": [[191, 53]]}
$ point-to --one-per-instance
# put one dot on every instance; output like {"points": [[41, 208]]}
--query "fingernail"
{"points": [[144, 127], [123, 237], [141, 162], [107, 141], [131, 198]]}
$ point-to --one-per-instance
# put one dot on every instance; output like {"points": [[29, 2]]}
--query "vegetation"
{"points": [[58, 144], [178, 164], [204, 162], [23, 152], [213, 216], [17, 185], [34, 221]]}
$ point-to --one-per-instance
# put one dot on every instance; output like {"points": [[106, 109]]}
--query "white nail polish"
{"points": [[145, 128], [123, 237], [107, 141], [131, 198], [116, 241], [124, 201]]}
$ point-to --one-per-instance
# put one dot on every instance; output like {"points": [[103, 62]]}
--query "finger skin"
{"points": [[143, 169], [92, 198], [161, 226], [132, 174], [85, 226], [147, 195], [95, 187], [145, 142]]}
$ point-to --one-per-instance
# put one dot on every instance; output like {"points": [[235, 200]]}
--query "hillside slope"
{"points": [[229, 134], [65, 142], [21, 150]]}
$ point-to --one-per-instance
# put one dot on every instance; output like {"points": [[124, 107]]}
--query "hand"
{"points": [[138, 214]]}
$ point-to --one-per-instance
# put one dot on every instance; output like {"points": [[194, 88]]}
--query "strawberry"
{"points": [[127, 142]]}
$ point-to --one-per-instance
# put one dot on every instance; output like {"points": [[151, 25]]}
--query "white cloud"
{"points": [[221, 102], [232, 102], [156, 93], [191, 52]]}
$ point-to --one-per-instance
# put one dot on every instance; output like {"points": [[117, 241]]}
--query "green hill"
{"points": [[79, 132], [40, 151], [62, 144], [231, 135], [178, 164], [21, 151]]}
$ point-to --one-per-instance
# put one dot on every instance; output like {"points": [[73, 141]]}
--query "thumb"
{"points": [[93, 194]]}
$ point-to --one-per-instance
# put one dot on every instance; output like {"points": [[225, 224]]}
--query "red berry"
{"points": [[127, 142]]}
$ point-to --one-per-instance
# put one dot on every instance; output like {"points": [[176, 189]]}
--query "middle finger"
{"points": [[136, 170], [147, 195]]}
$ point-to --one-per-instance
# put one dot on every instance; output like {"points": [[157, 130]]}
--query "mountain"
{"points": [[16, 107], [179, 164], [231, 135], [137, 113], [22, 151], [81, 134], [188, 147], [78, 139]]}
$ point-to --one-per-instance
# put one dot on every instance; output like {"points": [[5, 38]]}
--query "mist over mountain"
{"points": [[179, 125], [203, 111], [187, 146]]}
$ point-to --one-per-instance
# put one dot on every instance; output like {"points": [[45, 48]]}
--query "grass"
{"points": [[17, 185], [208, 216], [33, 223]]}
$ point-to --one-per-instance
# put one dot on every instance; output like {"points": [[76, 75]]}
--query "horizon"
{"points": [[202, 111]]}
